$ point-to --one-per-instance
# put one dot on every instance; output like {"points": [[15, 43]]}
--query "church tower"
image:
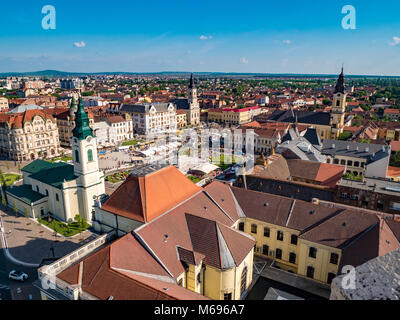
{"points": [[90, 180], [193, 116], [338, 109], [73, 108]]}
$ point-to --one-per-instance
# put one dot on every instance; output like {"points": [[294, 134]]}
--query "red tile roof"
{"points": [[143, 198]]}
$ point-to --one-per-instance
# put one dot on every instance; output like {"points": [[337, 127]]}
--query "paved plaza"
{"points": [[115, 159], [30, 242]]}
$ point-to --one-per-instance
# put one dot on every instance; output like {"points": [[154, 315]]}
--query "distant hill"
{"points": [[56, 73]]}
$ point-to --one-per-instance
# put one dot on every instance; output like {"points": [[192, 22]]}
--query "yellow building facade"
{"points": [[290, 252]]}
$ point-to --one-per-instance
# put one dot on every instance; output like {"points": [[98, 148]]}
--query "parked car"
{"points": [[18, 275]]}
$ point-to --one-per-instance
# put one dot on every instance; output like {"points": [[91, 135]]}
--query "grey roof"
{"points": [[376, 185], [147, 169], [181, 103], [275, 294], [312, 136], [371, 152], [144, 108], [294, 145], [308, 117], [23, 108], [288, 189]]}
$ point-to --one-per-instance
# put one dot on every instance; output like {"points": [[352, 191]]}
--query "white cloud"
{"points": [[79, 44], [203, 37], [244, 60], [287, 41], [396, 41]]}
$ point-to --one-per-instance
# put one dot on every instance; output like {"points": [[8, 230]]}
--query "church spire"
{"points": [[82, 128], [73, 107], [340, 83], [191, 83]]}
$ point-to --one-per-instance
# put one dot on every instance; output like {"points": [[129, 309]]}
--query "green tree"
{"points": [[345, 135], [3, 200], [83, 223], [78, 218], [15, 207], [26, 213], [19, 167]]}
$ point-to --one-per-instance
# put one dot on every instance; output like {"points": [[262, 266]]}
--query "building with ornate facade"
{"points": [[151, 118], [62, 190], [29, 135]]}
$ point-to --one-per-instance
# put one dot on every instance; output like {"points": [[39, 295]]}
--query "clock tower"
{"points": [[338, 109], [90, 180]]}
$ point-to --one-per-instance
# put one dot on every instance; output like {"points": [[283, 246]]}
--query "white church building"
{"points": [[62, 190]]}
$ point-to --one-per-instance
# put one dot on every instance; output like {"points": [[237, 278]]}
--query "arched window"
{"points": [[90, 155], [76, 156]]}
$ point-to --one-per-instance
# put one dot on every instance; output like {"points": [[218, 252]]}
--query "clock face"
{"points": [[88, 139]]}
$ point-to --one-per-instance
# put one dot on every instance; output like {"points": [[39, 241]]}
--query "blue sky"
{"points": [[184, 35]]}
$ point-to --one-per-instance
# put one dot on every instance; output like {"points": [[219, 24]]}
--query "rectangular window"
{"points": [[57, 197], [293, 239], [266, 232], [279, 236], [265, 249], [312, 253], [278, 253], [228, 296], [310, 272], [334, 258], [292, 257], [331, 276], [241, 226], [253, 228]]}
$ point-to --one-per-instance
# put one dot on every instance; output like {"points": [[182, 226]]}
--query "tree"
{"points": [[15, 207], [326, 102], [19, 168], [3, 200], [78, 218], [26, 212], [83, 223], [345, 135]]}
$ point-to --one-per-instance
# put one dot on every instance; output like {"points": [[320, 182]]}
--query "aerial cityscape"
{"points": [[253, 161]]}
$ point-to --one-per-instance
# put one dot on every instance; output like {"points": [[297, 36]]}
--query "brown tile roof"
{"points": [[19, 119], [102, 281], [389, 236], [174, 226], [70, 275], [125, 253], [276, 168], [263, 206], [341, 229], [143, 198], [324, 173], [306, 215], [221, 193], [395, 227]]}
